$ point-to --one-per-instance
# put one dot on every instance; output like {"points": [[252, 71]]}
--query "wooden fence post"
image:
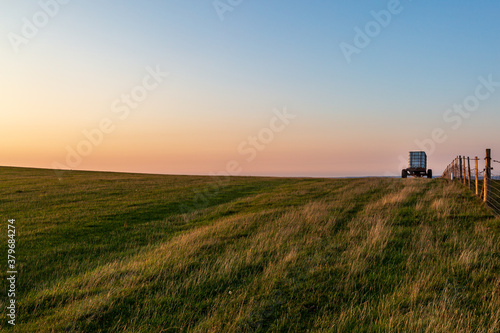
{"points": [[487, 176], [453, 170], [460, 166], [464, 171], [477, 176], [468, 166]]}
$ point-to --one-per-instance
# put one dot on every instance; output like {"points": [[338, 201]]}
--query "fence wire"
{"points": [[494, 197], [453, 171]]}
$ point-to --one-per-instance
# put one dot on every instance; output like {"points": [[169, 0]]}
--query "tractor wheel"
{"points": [[429, 173], [404, 174]]}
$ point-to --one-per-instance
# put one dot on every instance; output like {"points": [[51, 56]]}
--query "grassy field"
{"points": [[107, 252]]}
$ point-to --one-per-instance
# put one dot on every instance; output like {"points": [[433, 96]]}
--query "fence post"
{"points": [[487, 176], [464, 171], [477, 176], [460, 166], [454, 169], [468, 166]]}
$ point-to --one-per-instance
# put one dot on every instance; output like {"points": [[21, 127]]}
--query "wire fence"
{"points": [[479, 176], [495, 188]]}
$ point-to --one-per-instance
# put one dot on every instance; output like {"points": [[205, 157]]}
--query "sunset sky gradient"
{"points": [[227, 79]]}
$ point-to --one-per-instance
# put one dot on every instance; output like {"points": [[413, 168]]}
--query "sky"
{"points": [[240, 87]]}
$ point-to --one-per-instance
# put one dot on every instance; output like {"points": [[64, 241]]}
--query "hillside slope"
{"points": [[107, 252]]}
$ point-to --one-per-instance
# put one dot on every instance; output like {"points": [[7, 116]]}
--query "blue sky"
{"points": [[226, 77]]}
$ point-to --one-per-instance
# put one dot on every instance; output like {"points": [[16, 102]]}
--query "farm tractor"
{"points": [[417, 165]]}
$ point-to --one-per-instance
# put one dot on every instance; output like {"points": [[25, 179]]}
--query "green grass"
{"points": [[108, 252]]}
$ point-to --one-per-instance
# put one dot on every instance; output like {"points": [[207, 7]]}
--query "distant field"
{"points": [[108, 252]]}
